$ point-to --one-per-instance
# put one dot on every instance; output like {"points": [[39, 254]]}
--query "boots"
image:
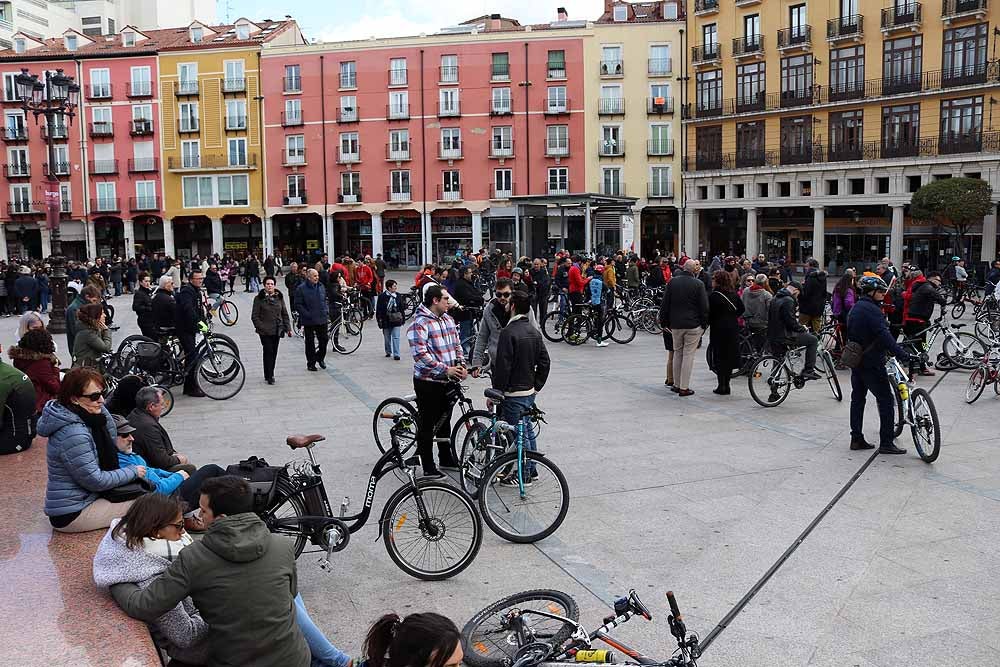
{"points": [[723, 388]]}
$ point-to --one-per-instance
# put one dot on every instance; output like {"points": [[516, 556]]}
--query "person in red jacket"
{"points": [[34, 355], [364, 280], [577, 281]]}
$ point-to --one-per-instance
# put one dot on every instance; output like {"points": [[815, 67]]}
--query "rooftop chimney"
{"points": [[494, 22], [608, 4], [561, 14]]}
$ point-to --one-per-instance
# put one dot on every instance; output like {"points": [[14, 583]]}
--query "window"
{"points": [[65, 198], [708, 147], [660, 182], [197, 34], [557, 140], [399, 144], [243, 31], [848, 8], [659, 95], [9, 87], [902, 64], [142, 82], [350, 186], [107, 196], [128, 38], [659, 139], [846, 135], [399, 185], [750, 144], [710, 37], [556, 99], [708, 92], [349, 149], [397, 72], [501, 101], [191, 153], [797, 23], [17, 162], [348, 74], [751, 31], [296, 192], [20, 198], [104, 159], [847, 73], [71, 43], [449, 69], [659, 60], [558, 180], [503, 183], [233, 190], [145, 195], [235, 80], [796, 140], [14, 125], [900, 130], [293, 111], [796, 80], [557, 64], [611, 100], [611, 181], [142, 118], [188, 112], [448, 102], [100, 83], [236, 114], [750, 89], [197, 191], [611, 140], [620, 12], [451, 186], [961, 125], [502, 141], [965, 55], [295, 149], [451, 142], [348, 108], [293, 78], [187, 74], [500, 67], [611, 61], [142, 156], [20, 46]]}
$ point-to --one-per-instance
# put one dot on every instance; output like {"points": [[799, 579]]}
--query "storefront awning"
{"points": [[352, 215]]}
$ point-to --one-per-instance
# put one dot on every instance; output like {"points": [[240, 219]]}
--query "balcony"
{"points": [[293, 119], [138, 89], [902, 17], [141, 165], [103, 167], [17, 170], [502, 193], [142, 127], [236, 123], [501, 108], [556, 71], [752, 102], [705, 7], [60, 131], [751, 158], [558, 149], [557, 186], [102, 128], [751, 46], [660, 190], [501, 148], [22, 207], [556, 107], [795, 39], [397, 77], [708, 161], [293, 84], [298, 198], [611, 106], [294, 157], [397, 111], [234, 86], [500, 72], [844, 152], [953, 10], [796, 97], [99, 91], [352, 197], [210, 163], [398, 195], [706, 54], [612, 68], [451, 151], [706, 108], [900, 147], [904, 83], [449, 109], [398, 153], [188, 126], [611, 148], [611, 189], [797, 154], [348, 115], [659, 106], [349, 156], [450, 193], [970, 142], [105, 205], [964, 76], [186, 88], [848, 90], [659, 147], [58, 168], [746, 3], [147, 203], [659, 66], [448, 74], [846, 28], [348, 81], [15, 135]]}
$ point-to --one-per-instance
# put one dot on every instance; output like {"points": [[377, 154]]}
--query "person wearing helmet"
{"points": [[597, 296], [867, 326]]}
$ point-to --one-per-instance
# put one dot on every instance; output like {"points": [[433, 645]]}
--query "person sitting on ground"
{"points": [[152, 442], [415, 641], [82, 457], [17, 406], [93, 340], [29, 320], [35, 356], [88, 294], [784, 331]]}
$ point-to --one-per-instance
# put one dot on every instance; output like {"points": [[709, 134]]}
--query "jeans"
{"points": [[685, 349], [118, 287], [512, 408], [188, 344], [465, 335], [390, 336], [317, 339], [876, 381], [811, 343], [270, 345], [190, 489], [324, 654], [45, 299], [432, 403], [813, 322]]}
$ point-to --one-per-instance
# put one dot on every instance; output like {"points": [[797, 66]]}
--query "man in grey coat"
{"points": [[684, 312], [495, 318]]}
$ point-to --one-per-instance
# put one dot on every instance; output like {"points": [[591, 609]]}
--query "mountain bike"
{"points": [[771, 378], [226, 310], [345, 331], [430, 529], [541, 627], [914, 408], [988, 372], [960, 348]]}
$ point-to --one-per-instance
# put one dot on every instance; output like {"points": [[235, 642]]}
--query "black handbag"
{"points": [[127, 492]]}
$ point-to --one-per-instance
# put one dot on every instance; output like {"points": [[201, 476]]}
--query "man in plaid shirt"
{"points": [[437, 360]]}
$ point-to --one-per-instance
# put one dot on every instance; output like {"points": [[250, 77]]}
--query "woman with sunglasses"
{"points": [[82, 456], [93, 339]]}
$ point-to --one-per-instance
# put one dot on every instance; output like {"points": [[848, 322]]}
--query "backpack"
{"points": [[263, 480]]}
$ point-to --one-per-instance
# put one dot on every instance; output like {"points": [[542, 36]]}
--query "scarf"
{"points": [[107, 453]]}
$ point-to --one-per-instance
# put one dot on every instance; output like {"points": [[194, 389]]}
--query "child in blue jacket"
{"points": [[596, 286], [164, 481]]}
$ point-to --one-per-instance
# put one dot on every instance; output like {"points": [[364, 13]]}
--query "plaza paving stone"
{"points": [[697, 495]]}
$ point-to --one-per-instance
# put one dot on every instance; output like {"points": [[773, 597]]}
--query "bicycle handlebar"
{"points": [[672, 601]]}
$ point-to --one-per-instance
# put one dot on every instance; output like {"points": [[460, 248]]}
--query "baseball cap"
{"points": [[517, 269], [122, 425], [794, 283], [599, 268]]}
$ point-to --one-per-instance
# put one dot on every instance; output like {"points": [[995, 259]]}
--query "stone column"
{"points": [[328, 244], [129, 230], [46, 241], [989, 253], [517, 232], [428, 240], [91, 239], [168, 238], [477, 231], [218, 245], [753, 235], [588, 234], [4, 257], [376, 234], [896, 236], [267, 236], [819, 235], [690, 241]]}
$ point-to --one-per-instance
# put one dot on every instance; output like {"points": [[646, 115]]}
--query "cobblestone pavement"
{"points": [[699, 495]]}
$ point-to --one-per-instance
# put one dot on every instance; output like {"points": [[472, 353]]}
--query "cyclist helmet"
{"points": [[955, 258], [74, 287], [872, 284]]}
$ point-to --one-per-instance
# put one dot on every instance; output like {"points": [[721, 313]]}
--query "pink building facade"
{"points": [[414, 147]]}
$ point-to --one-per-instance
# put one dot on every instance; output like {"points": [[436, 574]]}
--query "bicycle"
{"points": [[226, 310], [987, 373], [541, 627], [417, 522], [345, 331], [778, 376], [960, 348], [915, 408], [751, 347]]}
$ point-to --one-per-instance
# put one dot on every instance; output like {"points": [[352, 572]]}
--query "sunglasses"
{"points": [[179, 525], [503, 295], [94, 397]]}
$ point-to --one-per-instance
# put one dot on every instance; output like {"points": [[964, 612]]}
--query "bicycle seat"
{"points": [[957, 326], [300, 441], [494, 395]]}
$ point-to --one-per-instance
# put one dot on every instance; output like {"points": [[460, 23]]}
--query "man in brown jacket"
{"points": [[151, 440]]}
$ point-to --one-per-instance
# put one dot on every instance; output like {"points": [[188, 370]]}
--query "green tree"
{"points": [[954, 203]]}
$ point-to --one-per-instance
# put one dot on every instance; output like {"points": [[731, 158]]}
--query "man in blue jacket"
{"points": [[314, 316], [866, 325]]}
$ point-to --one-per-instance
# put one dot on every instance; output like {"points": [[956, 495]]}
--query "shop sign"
{"points": [[235, 245], [312, 244]]}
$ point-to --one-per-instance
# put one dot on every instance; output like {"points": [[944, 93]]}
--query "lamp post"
{"points": [[55, 97]]}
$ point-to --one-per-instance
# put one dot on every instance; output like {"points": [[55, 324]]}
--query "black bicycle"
{"points": [[430, 529]]}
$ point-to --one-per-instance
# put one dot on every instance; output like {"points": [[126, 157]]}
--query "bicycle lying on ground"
{"points": [[541, 627], [430, 529], [771, 378], [988, 372]]}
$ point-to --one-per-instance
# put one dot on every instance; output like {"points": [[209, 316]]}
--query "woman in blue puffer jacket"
{"points": [[82, 456]]}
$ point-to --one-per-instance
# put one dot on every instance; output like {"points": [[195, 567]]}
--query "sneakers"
{"points": [[811, 374], [511, 480], [312, 368], [433, 473], [447, 464], [603, 343], [322, 364], [891, 448], [861, 443]]}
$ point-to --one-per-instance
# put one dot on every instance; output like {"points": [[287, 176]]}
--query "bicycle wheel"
{"points": [[228, 313], [964, 350], [620, 329], [220, 375], [576, 329], [289, 507], [748, 357], [977, 382], [899, 423], [958, 310], [443, 546], [488, 642], [552, 327], [530, 510], [479, 447], [926, 429], [167, 397], [220, 340], [831, 376], [463, 425], [389, 413], [769, 382], [345, 337]]}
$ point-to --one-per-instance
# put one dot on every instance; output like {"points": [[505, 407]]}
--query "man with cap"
{"points": [[784, 331], [26, 290]]}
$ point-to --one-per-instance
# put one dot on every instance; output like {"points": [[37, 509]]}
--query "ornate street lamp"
{"points": [[55, 97]]}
